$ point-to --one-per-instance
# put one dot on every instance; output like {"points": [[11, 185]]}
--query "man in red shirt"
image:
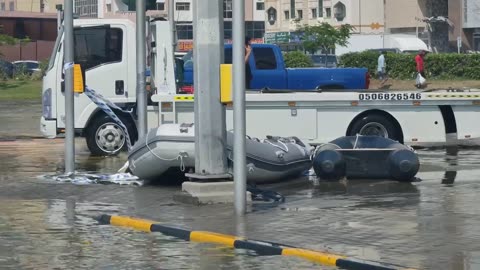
{"points": [[419, 60]]}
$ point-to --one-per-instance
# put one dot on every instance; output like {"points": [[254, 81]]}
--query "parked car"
{"points": [[325, 61], [26, 66], [6, 69]]}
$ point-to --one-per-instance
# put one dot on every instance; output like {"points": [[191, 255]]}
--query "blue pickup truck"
{"points": [[269, 71]]}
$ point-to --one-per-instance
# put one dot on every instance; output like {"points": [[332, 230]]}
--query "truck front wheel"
{"points": [[105, 137]]}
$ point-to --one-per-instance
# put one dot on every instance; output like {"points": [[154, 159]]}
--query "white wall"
{"points": [[185, 16], [258, 15], [473, 9]]}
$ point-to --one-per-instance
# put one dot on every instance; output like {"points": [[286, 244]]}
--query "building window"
{"points": [[2, 6], [300, 14], [255, 29], [86, 8], [252, 29], [184, 31], [227, 9], [320, 8], [260, 6], [182, 6], [314, 13], [476, 41], [328, 12], [160, 6], [12, 6], [272, 15], [339, 11], [227, 29], [292, 8], [287, 15]]}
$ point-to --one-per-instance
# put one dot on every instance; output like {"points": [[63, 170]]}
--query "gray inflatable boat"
{"points": [[172, 147]]}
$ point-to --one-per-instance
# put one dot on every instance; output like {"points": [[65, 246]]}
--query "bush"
{"points": [[402, 66], [297, 59]]}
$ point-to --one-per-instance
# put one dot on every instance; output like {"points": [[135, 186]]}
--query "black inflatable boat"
{"points": [[365, 157]]}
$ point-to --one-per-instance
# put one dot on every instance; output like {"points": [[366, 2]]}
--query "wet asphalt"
{"points": [[44, 224]]}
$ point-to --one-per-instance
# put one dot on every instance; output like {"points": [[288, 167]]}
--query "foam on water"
{"points": [[93, 178]]}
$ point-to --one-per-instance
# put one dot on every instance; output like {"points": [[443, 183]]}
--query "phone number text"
{"points": [[389, 96]]}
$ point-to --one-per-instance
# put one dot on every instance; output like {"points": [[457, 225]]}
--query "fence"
{"points": [[36, 50]]}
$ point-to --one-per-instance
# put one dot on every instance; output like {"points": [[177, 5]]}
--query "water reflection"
{"points": [[430, 224]]}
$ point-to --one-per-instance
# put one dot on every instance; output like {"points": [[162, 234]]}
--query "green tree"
{"points": [[324, 36], [7, 40]]}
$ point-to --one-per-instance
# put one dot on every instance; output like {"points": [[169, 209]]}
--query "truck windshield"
{"points": [[55, 49]]}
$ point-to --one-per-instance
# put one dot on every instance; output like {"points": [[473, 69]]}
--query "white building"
{"points": [[183, 16]]}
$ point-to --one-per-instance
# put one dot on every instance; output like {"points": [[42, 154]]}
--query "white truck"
{"points": [[105, 49]]}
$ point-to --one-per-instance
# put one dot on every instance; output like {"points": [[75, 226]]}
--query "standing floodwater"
{"points": [[431, 224]]}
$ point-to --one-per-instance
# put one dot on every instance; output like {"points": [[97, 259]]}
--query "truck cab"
{"points": [[105, 51], [269, 71]]}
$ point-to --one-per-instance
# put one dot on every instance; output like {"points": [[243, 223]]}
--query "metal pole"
{"points": [[360, 15], [59, 17], [239, 126], [210, 129], [171, 17], [141, 58], [69, 97], [384, 21]]}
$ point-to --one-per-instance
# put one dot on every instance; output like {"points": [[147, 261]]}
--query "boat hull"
{"points": [[365, 157], [172, 146]]}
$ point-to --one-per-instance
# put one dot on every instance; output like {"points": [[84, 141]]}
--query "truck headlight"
{"points": [[47, 104]]}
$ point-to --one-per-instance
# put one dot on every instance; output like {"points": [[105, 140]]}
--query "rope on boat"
{"points": [[180, 156], [264, 194]]}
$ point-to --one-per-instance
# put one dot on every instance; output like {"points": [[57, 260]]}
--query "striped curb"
{"points": [[261, 247]]}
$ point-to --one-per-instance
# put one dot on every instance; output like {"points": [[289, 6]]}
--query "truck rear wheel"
{"points": [[376, 125], [105, 137]]}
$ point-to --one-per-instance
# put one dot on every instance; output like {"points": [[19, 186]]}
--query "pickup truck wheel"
{"points": [[376, 125], [105, 137]]}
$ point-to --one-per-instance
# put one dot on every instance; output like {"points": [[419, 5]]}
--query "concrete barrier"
{"points": [[261, 247]]}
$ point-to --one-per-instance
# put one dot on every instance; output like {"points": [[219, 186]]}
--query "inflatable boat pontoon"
{"points": [[365, 157], [170, 146]]}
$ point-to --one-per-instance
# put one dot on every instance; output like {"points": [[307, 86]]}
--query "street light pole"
{"points": [[69, 96], [210, 129], [239, 125], [141, 59]]}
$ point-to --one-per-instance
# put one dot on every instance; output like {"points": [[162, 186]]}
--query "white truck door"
{"points": [[102, 53]]}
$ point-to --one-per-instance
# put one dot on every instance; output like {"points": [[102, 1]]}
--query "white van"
{"points": [[402, 43]]}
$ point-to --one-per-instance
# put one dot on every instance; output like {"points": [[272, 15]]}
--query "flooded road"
{"points": [[430, 224]]}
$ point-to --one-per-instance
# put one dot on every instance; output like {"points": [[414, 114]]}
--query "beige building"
{"points": [[409, 20], [367, 16], [43, 6]]}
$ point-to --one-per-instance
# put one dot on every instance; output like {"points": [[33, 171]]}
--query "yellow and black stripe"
{"points": [[453, 96], [184, 98], [260, 247]]}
